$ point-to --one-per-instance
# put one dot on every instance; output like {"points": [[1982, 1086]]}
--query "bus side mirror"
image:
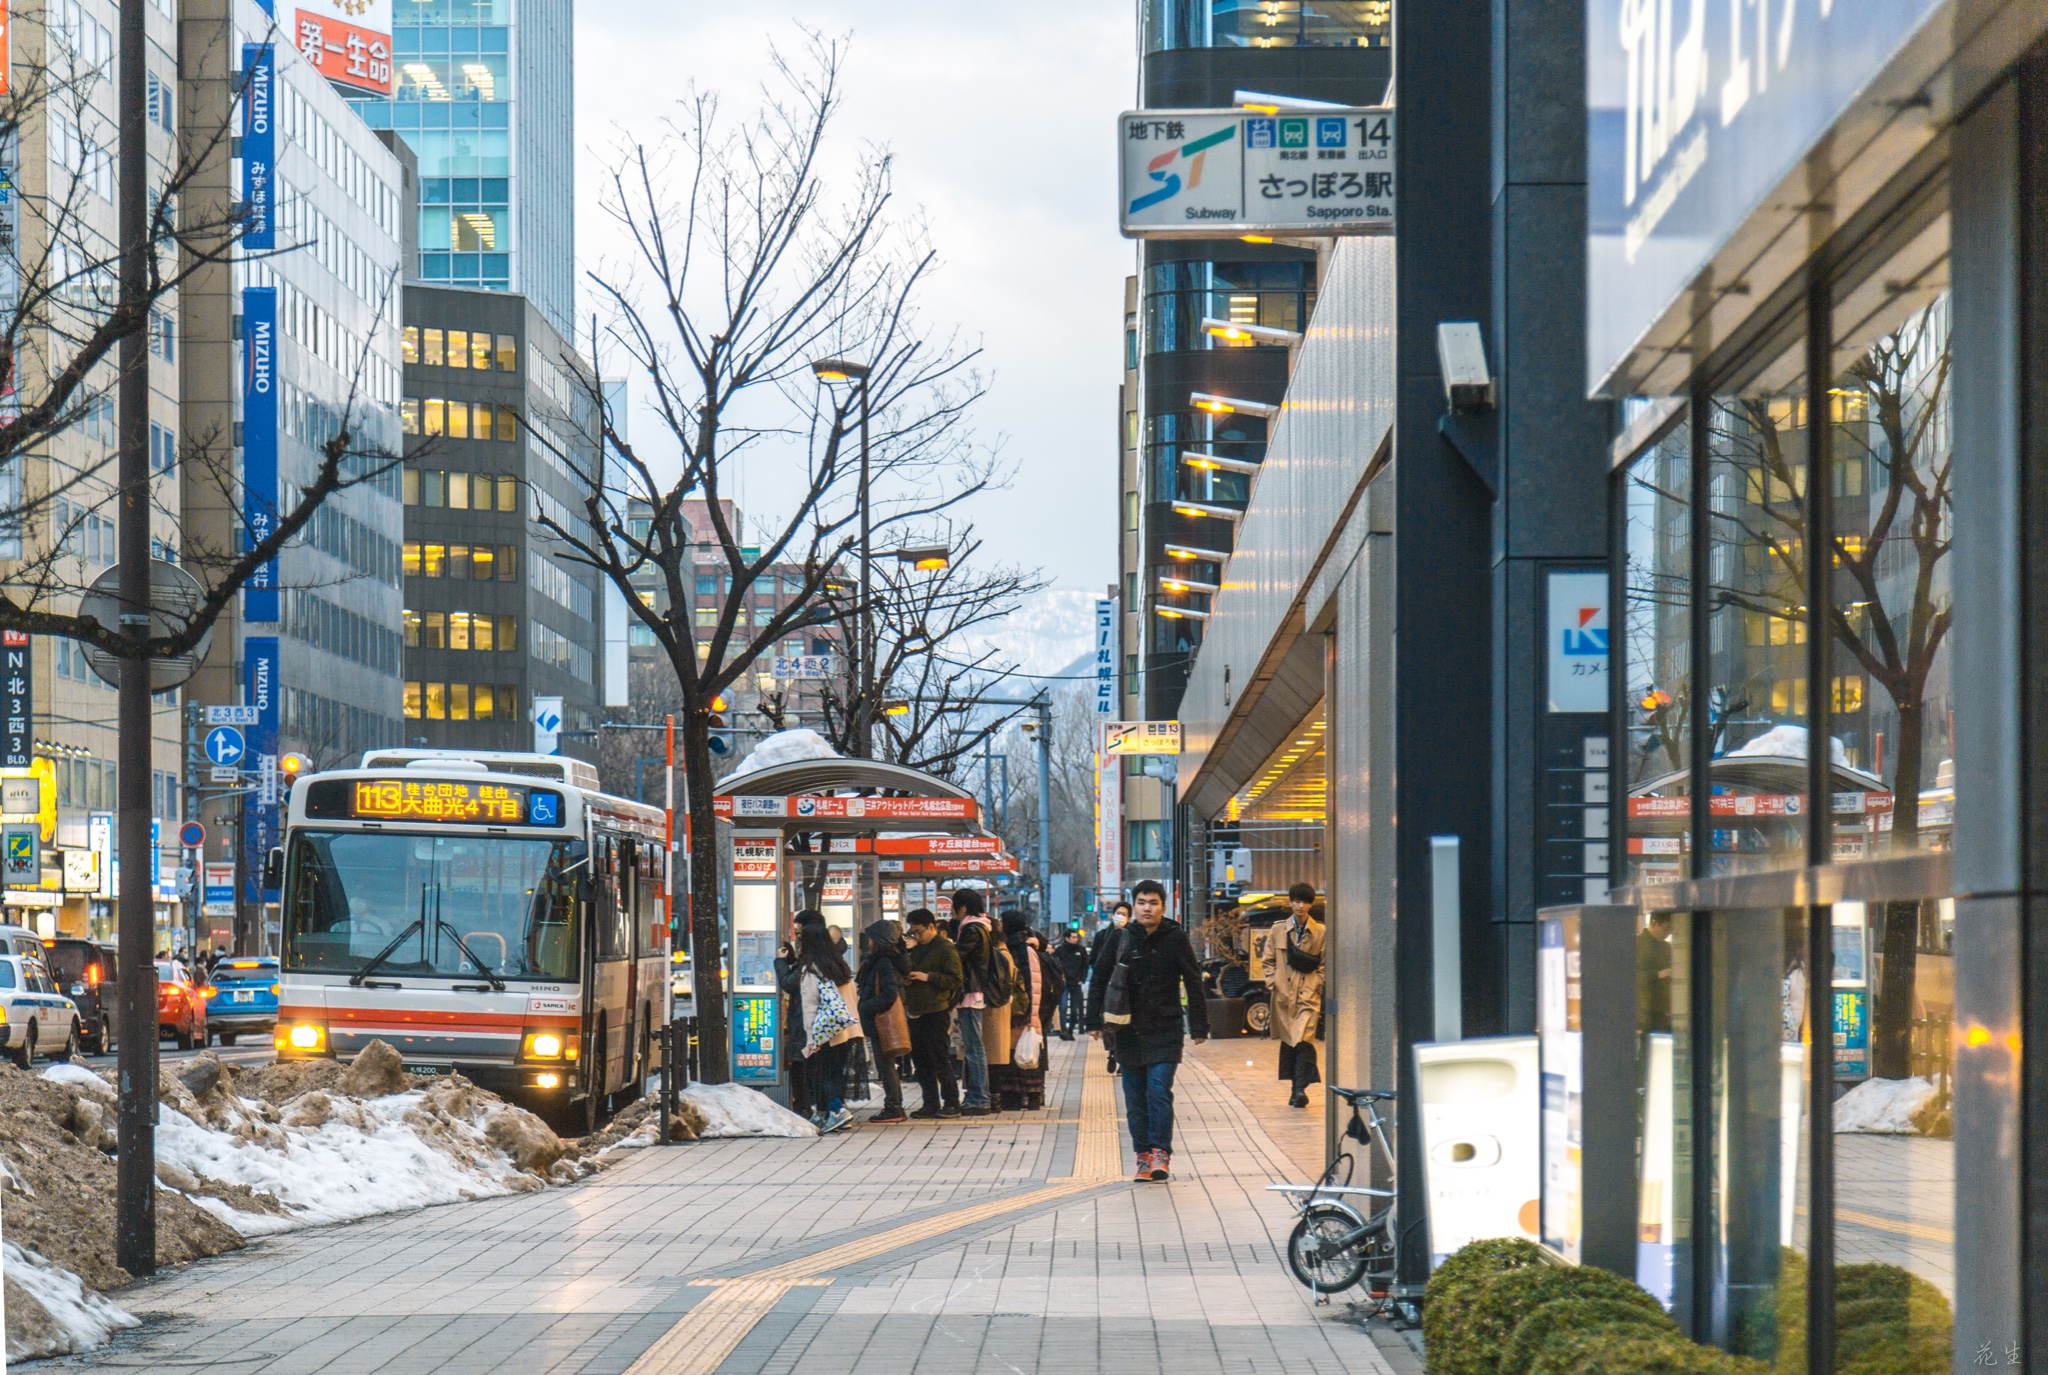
{"points": [[273, 868]]}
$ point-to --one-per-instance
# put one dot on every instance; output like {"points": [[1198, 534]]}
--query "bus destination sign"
{"points": [[403, 799]]}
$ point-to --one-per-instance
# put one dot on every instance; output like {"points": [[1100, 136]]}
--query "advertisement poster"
{"points": [[348, 42], [1657, 1207], [754, 1027], [1481, 1151], [1563, 1045], [259, 145]]}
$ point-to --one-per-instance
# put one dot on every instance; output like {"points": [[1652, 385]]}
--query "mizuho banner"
{"points": [[259, 145], [1199, 174], [259, 444], [265, 829]]}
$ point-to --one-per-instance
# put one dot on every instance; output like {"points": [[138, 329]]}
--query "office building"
{"points": [[316, 302], [499, 430], [61, 236], [484, 97]]}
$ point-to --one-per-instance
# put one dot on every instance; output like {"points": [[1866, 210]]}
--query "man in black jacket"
{"points": [[1159, 963], [1072, 957]]}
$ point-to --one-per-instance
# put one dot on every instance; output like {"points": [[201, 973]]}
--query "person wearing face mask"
{"points": [[1108, 932], [1296, 981]]}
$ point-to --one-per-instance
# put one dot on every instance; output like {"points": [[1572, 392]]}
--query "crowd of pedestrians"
{"points": [[967, 1006]]}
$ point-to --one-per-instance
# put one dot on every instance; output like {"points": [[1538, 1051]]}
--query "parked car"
{"points": [[88, 973], [37, 1014], [242, 998], [180, 1005]]}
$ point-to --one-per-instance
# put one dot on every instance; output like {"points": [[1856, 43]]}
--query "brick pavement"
{"points": [[983, 1245]]}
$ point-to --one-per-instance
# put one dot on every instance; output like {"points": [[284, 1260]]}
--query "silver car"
{"points": [[38, 1016]]}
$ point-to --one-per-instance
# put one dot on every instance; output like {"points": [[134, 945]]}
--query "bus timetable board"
{"points": [[445, 800]]}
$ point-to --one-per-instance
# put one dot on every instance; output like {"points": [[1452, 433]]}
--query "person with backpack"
{"points": [[883, 968], [831, 1025], [1024, 1085], [1135, 1003], [1071, 959], [929, 991], [972, 938], [1296, 981], [1105, 935]]}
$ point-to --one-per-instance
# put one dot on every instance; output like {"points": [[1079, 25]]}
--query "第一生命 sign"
{"points": [[1197, 174]]}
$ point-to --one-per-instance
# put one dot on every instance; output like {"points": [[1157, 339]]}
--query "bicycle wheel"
{"points": [[1317, 1257]]}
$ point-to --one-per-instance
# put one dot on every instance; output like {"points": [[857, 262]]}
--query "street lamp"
{"points": [[830, 370], [926, 558]]}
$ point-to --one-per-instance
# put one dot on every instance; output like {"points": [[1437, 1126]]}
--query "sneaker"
{"points": [[927, 1112], [890, 1115], [950, 1110], [1144, 1174], [836, 1121], [1160, 1160]]}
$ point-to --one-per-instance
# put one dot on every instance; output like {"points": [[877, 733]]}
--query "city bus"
{"points": [[485, 913]]}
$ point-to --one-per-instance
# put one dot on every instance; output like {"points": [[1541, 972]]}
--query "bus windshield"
{"points": [[496, 906]]}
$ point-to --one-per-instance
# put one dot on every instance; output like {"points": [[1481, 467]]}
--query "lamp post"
{"points": [[845, 370]]}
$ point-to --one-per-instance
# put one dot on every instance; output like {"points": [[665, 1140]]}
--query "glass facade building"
{"points": [[484, 99]]}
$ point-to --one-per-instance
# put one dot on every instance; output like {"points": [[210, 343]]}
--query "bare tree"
{"points": [[60, 334], [745, 268], [933, 688], [1071, 793]]}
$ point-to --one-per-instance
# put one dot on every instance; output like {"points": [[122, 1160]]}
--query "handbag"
{"points": [[832, 1016], [1025, 1052], [1116, 998], [892, 1029]]}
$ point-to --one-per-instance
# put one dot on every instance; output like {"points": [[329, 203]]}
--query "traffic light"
{"points": [[290, 766], [721, 738]]}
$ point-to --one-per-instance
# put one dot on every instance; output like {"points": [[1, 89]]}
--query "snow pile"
{"points": [[50, 1312], [783, 747], [1788, 742], [327, 1143], [736, 1110], [1884, 1105]]}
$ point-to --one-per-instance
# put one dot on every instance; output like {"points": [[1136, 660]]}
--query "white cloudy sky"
{"points": [[1000, 118]]}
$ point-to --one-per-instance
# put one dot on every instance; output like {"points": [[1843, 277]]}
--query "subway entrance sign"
{"points": [[1258, 170]]}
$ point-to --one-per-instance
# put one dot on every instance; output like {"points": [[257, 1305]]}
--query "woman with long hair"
{"points": [[831, 1025]]}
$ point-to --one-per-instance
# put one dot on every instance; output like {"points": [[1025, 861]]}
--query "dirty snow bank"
{"points": [[50, 1312], [1884, 1105], [736, 1110]]}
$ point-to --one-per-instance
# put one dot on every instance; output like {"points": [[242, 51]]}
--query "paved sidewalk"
{"points": [[981, 1245]]}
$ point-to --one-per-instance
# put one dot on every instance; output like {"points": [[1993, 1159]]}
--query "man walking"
{"points": [[1296, 979], [929, 991], [1072, 958], [971, 913], [1146, 1023]]}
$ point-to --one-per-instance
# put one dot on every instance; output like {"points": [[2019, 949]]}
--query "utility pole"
{"points": [[1044, 703], [135, 1176]]}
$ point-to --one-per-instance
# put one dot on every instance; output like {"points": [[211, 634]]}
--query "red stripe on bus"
{"points": [[410, 1017]]}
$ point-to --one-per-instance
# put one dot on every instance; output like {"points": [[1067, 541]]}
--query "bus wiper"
{"points": [[360, 975], [497, 984]]}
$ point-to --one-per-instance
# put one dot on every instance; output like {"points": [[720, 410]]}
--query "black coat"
{"points": [[973, 942], [1073, 962], [880, 978], [1162, 965]]}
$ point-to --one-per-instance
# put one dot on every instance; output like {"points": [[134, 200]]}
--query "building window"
{"points": [[1180, 295], [460, 491], [1270, 24], [1143, 841]]}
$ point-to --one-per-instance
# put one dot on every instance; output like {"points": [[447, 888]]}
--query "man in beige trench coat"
{"points": [[1296, 979]]}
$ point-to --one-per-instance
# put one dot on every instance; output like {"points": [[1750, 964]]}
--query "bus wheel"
{"points": [[594, 1098]]}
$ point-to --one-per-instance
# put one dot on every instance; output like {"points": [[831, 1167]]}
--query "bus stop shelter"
{"points": [[857, 840]]}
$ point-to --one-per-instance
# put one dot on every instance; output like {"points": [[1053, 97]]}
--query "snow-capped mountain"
{"points": [[1046, 635]]}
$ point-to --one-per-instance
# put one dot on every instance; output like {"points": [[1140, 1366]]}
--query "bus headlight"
{"points": [[547, 1081], [544, 1045], [302, 1036]]}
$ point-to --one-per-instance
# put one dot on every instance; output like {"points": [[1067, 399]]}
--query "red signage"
{"points": [[938, 845], [346, 54], [1758, 804], [953, 864], [807, 808]]}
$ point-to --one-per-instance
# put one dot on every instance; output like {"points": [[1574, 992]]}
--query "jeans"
{"points": [[932, 1058], [831, 1062], [1074, 1007], [1148, 1104], [976, 1057]]}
